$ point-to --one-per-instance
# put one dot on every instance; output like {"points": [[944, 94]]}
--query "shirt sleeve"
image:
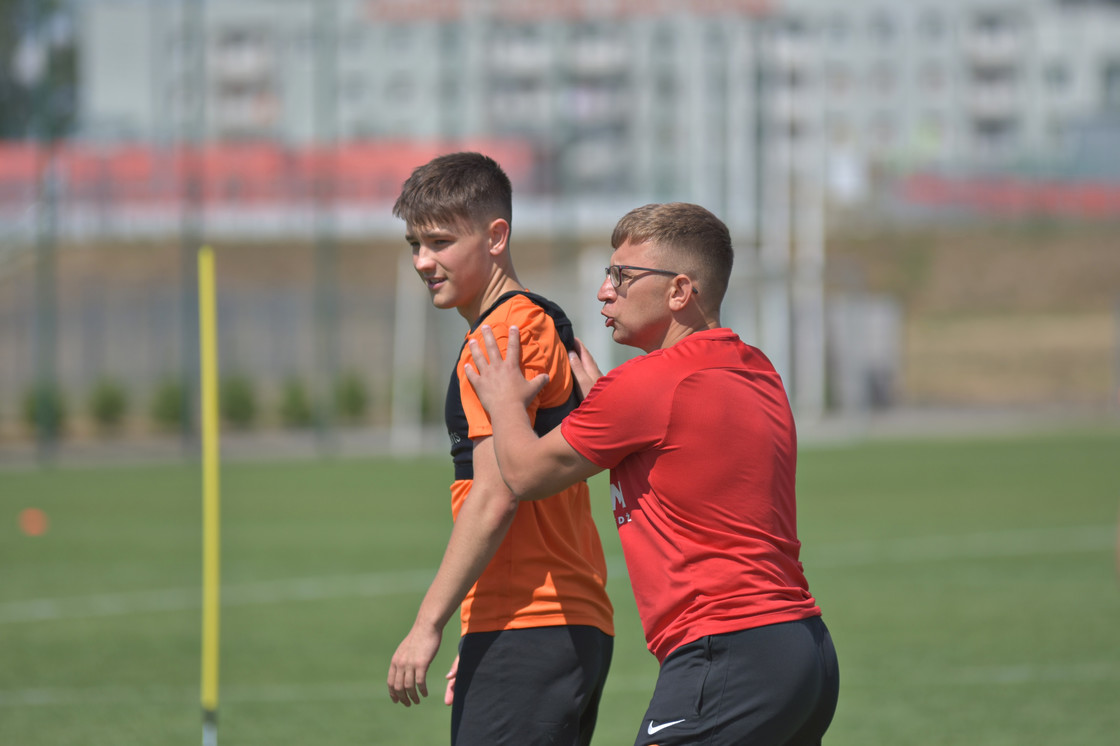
{"points": [[624, 412], [542, 351]]}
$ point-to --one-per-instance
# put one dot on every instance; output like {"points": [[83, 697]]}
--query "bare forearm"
{"points": [[531, 466], [480, 527], [479, 530]]}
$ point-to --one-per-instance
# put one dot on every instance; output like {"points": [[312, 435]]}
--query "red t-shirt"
{"points": [[702, 450]]}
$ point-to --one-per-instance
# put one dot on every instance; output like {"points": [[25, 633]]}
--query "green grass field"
{"points": [[970, 585]]}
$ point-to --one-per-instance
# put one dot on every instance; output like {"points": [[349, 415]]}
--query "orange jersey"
{"points": [[549, 570]]}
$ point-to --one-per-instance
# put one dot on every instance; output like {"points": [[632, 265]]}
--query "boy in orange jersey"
{"points": [[537, 626]]}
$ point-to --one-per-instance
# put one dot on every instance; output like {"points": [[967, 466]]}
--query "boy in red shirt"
{"points": [[702, 451]]}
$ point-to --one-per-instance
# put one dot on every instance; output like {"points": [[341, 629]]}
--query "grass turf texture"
{"points": [[970, 586]]}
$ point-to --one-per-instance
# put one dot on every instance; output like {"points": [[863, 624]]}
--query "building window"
{"points": [[399, 89], [931, 129], [354, 88], [932, 77], [883, 78], [1111, 97], [995, 76], [1056, 131], [449, 89], [303, 40], [931, 25], [666, 86], [838, 27], [794, 29], [839, 78], [664, 40], [994, 137], [883, 27], [883, 129], [1057, 77], [839, 130], [353, 38], [400, 40]]}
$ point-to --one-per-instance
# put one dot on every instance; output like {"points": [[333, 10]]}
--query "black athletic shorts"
{"points": [[530, 686], [769, 686]]}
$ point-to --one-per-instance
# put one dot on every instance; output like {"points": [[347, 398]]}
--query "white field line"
{"points": [[1027, 674], [156, 695], [989, 545], [240, 594], [367, 691], [992, 545], [1001, 675]]}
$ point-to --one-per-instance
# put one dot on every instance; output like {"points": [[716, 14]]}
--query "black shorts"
{"points": [[530, 686], [771, 685]]}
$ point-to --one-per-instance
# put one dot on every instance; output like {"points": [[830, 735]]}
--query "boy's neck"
{"points": [[499, 285]]}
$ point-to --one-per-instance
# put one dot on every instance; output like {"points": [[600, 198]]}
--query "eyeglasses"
{"points": [[615, 272]]}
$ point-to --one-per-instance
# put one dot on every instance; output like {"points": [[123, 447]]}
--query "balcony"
{"points": [[521, 59], [994, 101], [243, 63], [599, 58], [250, 114], [1004, 48]]}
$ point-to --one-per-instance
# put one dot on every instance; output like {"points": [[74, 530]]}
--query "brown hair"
{"points": [[455, 188], [684, 233]]}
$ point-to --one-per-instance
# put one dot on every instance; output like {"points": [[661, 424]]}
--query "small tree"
{"points": [[44, 407], [108, 403], [238, 401], [350, 399], [168, 410], [295, 405]]}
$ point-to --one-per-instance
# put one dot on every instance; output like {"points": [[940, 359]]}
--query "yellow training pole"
{"points": [[211, 523]]}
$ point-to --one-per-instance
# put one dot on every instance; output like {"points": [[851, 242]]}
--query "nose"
{"points": [[607, 291], [422, 260]]}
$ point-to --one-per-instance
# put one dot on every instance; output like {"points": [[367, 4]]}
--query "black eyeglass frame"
{"points": [[614, 272]]}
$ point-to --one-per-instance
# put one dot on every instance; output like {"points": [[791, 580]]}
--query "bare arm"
{"points": [[533, 467], [479, 529]]}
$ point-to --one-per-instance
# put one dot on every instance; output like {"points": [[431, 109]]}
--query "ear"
{"points": [[499, 236], [680, 292]]}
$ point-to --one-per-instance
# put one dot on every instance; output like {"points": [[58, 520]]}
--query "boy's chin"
{"points": [[442, 300]]}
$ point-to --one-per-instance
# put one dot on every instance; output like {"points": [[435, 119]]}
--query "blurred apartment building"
{"points": [[650, 100], [762, 111]]}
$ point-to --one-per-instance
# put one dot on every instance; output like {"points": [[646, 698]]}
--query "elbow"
{"points": [[523, 487], [494, 505], [503, 511]]}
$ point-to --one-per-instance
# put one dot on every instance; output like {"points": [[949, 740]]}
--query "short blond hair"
{"points": [[686, 233]]}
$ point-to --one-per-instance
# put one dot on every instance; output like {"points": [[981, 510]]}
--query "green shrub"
{"points": [[238, 401], [50, 397], [350, 399], [295, 405], [168, 409], [108, 402]]}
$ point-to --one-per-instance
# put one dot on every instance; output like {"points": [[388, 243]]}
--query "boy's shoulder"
{"points": [[525, 310]]}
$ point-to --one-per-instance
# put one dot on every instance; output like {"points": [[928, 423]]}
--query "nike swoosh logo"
{"points": [[658, 728]]}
